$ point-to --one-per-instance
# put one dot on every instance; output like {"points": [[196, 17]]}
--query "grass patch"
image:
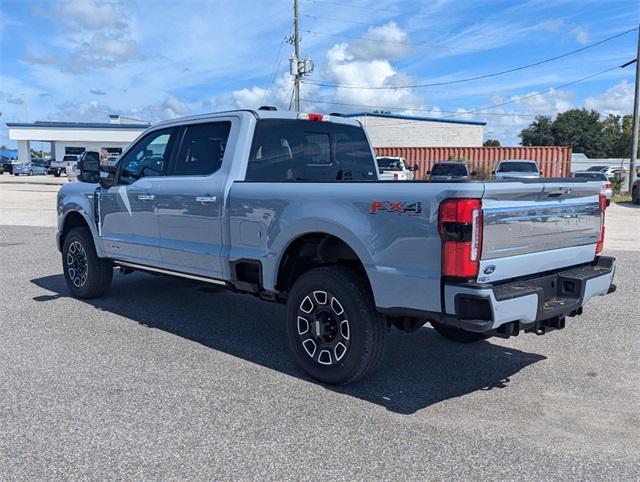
{"points": [[621, 198]]}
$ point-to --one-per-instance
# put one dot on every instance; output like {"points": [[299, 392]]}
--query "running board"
{"points": [[171, 273]]}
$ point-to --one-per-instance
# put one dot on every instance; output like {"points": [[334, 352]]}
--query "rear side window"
{"points": [[297, 150], [202, 149], [449, 170], [517, 167]]}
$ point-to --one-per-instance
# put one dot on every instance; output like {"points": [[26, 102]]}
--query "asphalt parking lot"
{"points": [[167, 379]]}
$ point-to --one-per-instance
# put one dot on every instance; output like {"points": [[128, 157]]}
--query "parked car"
{"points": [[516, 169], [285, 206], [8, 164], [33, 168], [57, 168], [607, 187], [610, 171], [450, 171], [635, 192], [394, 169]]}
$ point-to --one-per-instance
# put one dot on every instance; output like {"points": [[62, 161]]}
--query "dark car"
{"points": [[449, 171]]}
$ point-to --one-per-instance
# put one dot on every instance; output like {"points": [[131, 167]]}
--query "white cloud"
{"points": [[90, 15], [381, 43], [364, 63], [581, 33], [617, 100]]}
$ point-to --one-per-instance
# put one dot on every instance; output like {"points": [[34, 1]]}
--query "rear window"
{"points": [[389, 164], [70, 158], [296, 150], [449, 170], [597, 176], [518, 167], [598, 168]]}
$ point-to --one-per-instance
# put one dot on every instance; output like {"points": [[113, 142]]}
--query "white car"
{"points": [[609, 171], [607, 187], [394, 169], [516, 169]]}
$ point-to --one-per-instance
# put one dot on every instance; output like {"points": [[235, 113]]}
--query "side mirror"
{"points": [[107, 181], [493, 173], [88, 170], [428, 172]]}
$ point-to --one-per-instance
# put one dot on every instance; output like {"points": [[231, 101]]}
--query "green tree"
{"points": [[611, 135], [581, 130], [491, 143], [538, 133]]}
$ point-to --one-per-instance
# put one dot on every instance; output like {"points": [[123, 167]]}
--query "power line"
{"points": [[397, 42], [387, 11], [551, 89], [346, 104], [341, 20], [278, 61], [478, 77]]}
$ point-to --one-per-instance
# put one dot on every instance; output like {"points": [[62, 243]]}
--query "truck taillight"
{"points": [[607, 185], [460, 226], [603, 207]]}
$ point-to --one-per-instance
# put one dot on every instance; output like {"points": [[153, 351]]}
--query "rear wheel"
{"points": [[56, 174], [87, 275], [30, 173], [456, 334], [334, 330], [635, 195]]}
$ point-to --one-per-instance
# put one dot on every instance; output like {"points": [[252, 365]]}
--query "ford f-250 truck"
{"points": [[289, 207]]}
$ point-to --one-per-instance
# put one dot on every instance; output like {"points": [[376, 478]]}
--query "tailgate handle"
{"points": [[560, 192]]}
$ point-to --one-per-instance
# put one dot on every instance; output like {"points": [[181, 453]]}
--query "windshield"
{"points": [[516, 166], [389, 164], [449, 169], [598, 176], [298, 150]]}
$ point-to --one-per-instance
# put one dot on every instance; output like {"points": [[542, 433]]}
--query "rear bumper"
{"points": [[540, 301]]}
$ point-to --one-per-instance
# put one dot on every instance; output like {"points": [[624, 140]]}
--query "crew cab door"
{"points": [[128, 209], [191, 200]]}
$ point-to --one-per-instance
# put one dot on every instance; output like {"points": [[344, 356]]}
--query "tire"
{"points": [[341, 336], [456, 334], [30, 173], [16, 174], [56, 174], [635, 195], [87, 275]]}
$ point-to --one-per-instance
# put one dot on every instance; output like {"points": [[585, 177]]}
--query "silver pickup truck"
{"points": [[289, 207]]}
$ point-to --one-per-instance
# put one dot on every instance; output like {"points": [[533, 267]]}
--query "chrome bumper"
{"points": [[531, 301]]}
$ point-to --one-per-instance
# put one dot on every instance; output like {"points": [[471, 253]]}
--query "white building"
{"points": [[76, 137], [395, 130]]}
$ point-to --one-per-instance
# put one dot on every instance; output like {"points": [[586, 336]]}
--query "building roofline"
{"points": [[417, 118], [75, 125]]}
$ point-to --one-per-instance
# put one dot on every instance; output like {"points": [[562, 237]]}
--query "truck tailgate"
{"points": [[532, 227]]}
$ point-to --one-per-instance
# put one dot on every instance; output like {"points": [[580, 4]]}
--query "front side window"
{"points": [[147, 158], [297, 150], [202, 149]]}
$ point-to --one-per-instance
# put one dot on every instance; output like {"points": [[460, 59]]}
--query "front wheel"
{"points": [[87, 275], [334, 330], [30, 173], [456, 334]]}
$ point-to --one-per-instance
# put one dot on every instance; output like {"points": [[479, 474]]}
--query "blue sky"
{"points": [[79, 60]]}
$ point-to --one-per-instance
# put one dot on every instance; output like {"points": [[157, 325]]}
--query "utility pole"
{"points": [[298, 67], [634, 128], [296, 55]]}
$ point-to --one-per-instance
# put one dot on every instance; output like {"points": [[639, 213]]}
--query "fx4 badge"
{"points": [[396, 207]]}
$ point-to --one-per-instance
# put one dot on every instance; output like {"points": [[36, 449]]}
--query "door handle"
{"points": [[206, 199], [146, 197]]}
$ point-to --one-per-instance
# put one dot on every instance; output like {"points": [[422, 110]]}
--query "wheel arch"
{"points": [[313, 249]]}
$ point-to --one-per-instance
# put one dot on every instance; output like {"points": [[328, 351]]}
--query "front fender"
{"points": [[80, 200]]}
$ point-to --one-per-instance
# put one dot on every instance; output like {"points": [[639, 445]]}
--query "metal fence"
{"points": [[552, 161]]}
